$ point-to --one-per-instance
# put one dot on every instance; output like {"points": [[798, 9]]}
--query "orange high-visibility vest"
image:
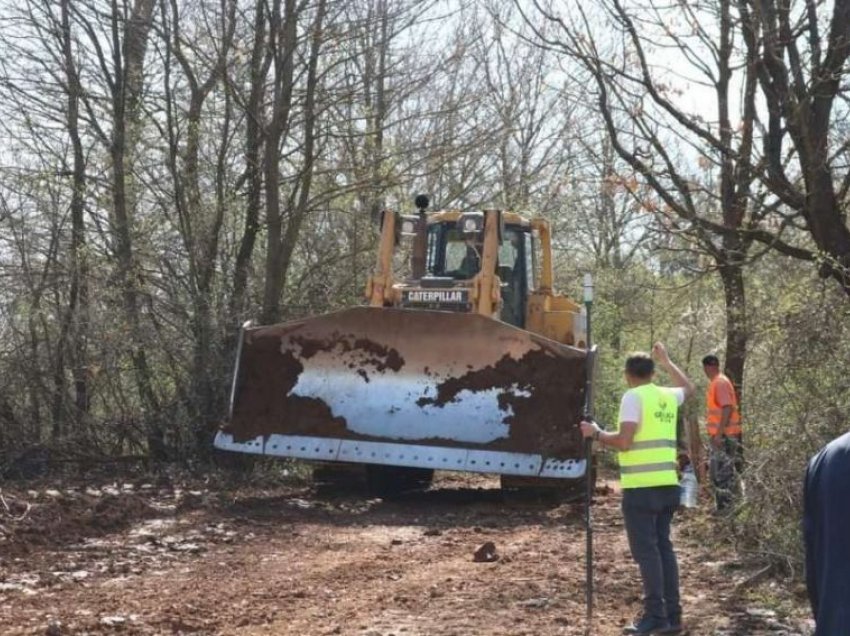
{"points": [[715, 410]]}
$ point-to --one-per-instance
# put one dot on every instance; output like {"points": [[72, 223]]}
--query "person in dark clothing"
{"points": [[826, 531]]}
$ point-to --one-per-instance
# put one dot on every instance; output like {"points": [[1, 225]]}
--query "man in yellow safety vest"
{"points": [[723, 425], [646, 441]]}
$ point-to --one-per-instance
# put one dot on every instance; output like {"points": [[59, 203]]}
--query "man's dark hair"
{"points": [[640, 365], [711, 360]]}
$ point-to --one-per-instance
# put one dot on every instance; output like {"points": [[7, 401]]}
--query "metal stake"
{"points": [[588, 456]]}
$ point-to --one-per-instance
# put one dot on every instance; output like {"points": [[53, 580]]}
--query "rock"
{"points": [[113, 621], [777, 626], [759, 612], [191, 548], [435, 592], [54, 628], [486, 553], [189, 500]]}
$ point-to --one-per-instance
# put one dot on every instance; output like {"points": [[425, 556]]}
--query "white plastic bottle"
{"points": [[688, 488]]}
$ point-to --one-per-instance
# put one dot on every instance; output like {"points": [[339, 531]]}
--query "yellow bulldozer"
{"points": [[470, 362]]}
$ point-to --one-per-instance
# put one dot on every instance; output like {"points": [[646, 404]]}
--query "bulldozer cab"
{"points": [[494, 263], [514, 273], [452, 254], [457, 256]]}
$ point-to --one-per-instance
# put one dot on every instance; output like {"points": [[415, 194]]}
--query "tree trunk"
{"points": [[299, 214], [284, 52], [253, 168], [200, 228], [732, 276], [74, 324], [378, 122], [128, 63]]}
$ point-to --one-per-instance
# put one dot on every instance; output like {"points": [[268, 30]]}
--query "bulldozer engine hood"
{"points": [[431, 389]]}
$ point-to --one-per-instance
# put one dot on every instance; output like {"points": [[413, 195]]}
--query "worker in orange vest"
{"points": [[723, 424]]}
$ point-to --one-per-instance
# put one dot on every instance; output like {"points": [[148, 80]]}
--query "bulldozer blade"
{"points": [[411, 388]]}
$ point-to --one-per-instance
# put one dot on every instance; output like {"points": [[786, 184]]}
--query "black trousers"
{"points": [[648, 513]]}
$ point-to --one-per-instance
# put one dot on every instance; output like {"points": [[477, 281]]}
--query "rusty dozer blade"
{"points": [[409, 388]]}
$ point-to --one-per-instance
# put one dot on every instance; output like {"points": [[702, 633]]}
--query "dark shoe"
{"points": [[648, 625], [676, 626]]}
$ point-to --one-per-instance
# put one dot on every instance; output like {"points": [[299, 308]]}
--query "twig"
{"points": [[9, 510], [753, 579]]}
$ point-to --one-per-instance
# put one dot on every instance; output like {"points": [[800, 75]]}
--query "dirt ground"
{"points": [[146, 558]]}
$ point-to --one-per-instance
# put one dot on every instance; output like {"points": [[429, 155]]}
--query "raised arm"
{"points": [[659, 352]]}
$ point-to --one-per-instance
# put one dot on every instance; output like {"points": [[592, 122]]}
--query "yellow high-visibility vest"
{"points": [[651, 461]]}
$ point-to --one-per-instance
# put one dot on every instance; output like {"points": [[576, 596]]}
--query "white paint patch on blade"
{"points": [[386, 406]]}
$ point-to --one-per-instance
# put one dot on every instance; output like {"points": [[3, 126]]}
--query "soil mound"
{"points": [[55, 518]]}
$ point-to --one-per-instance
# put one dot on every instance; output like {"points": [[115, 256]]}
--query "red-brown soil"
{"points": [[286, 560]]}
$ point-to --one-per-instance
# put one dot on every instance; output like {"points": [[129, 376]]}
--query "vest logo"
{"points": [[663, 414]]}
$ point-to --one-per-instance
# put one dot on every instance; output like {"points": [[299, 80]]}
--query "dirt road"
{"points": [[135, 559]]}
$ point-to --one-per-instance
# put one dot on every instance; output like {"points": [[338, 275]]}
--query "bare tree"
{"points": [[199, 71], [534, 142], [795, 53], [800, 74], [75, 321], [49, 51], [117, 41], [719, 217], [252, 105]]}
